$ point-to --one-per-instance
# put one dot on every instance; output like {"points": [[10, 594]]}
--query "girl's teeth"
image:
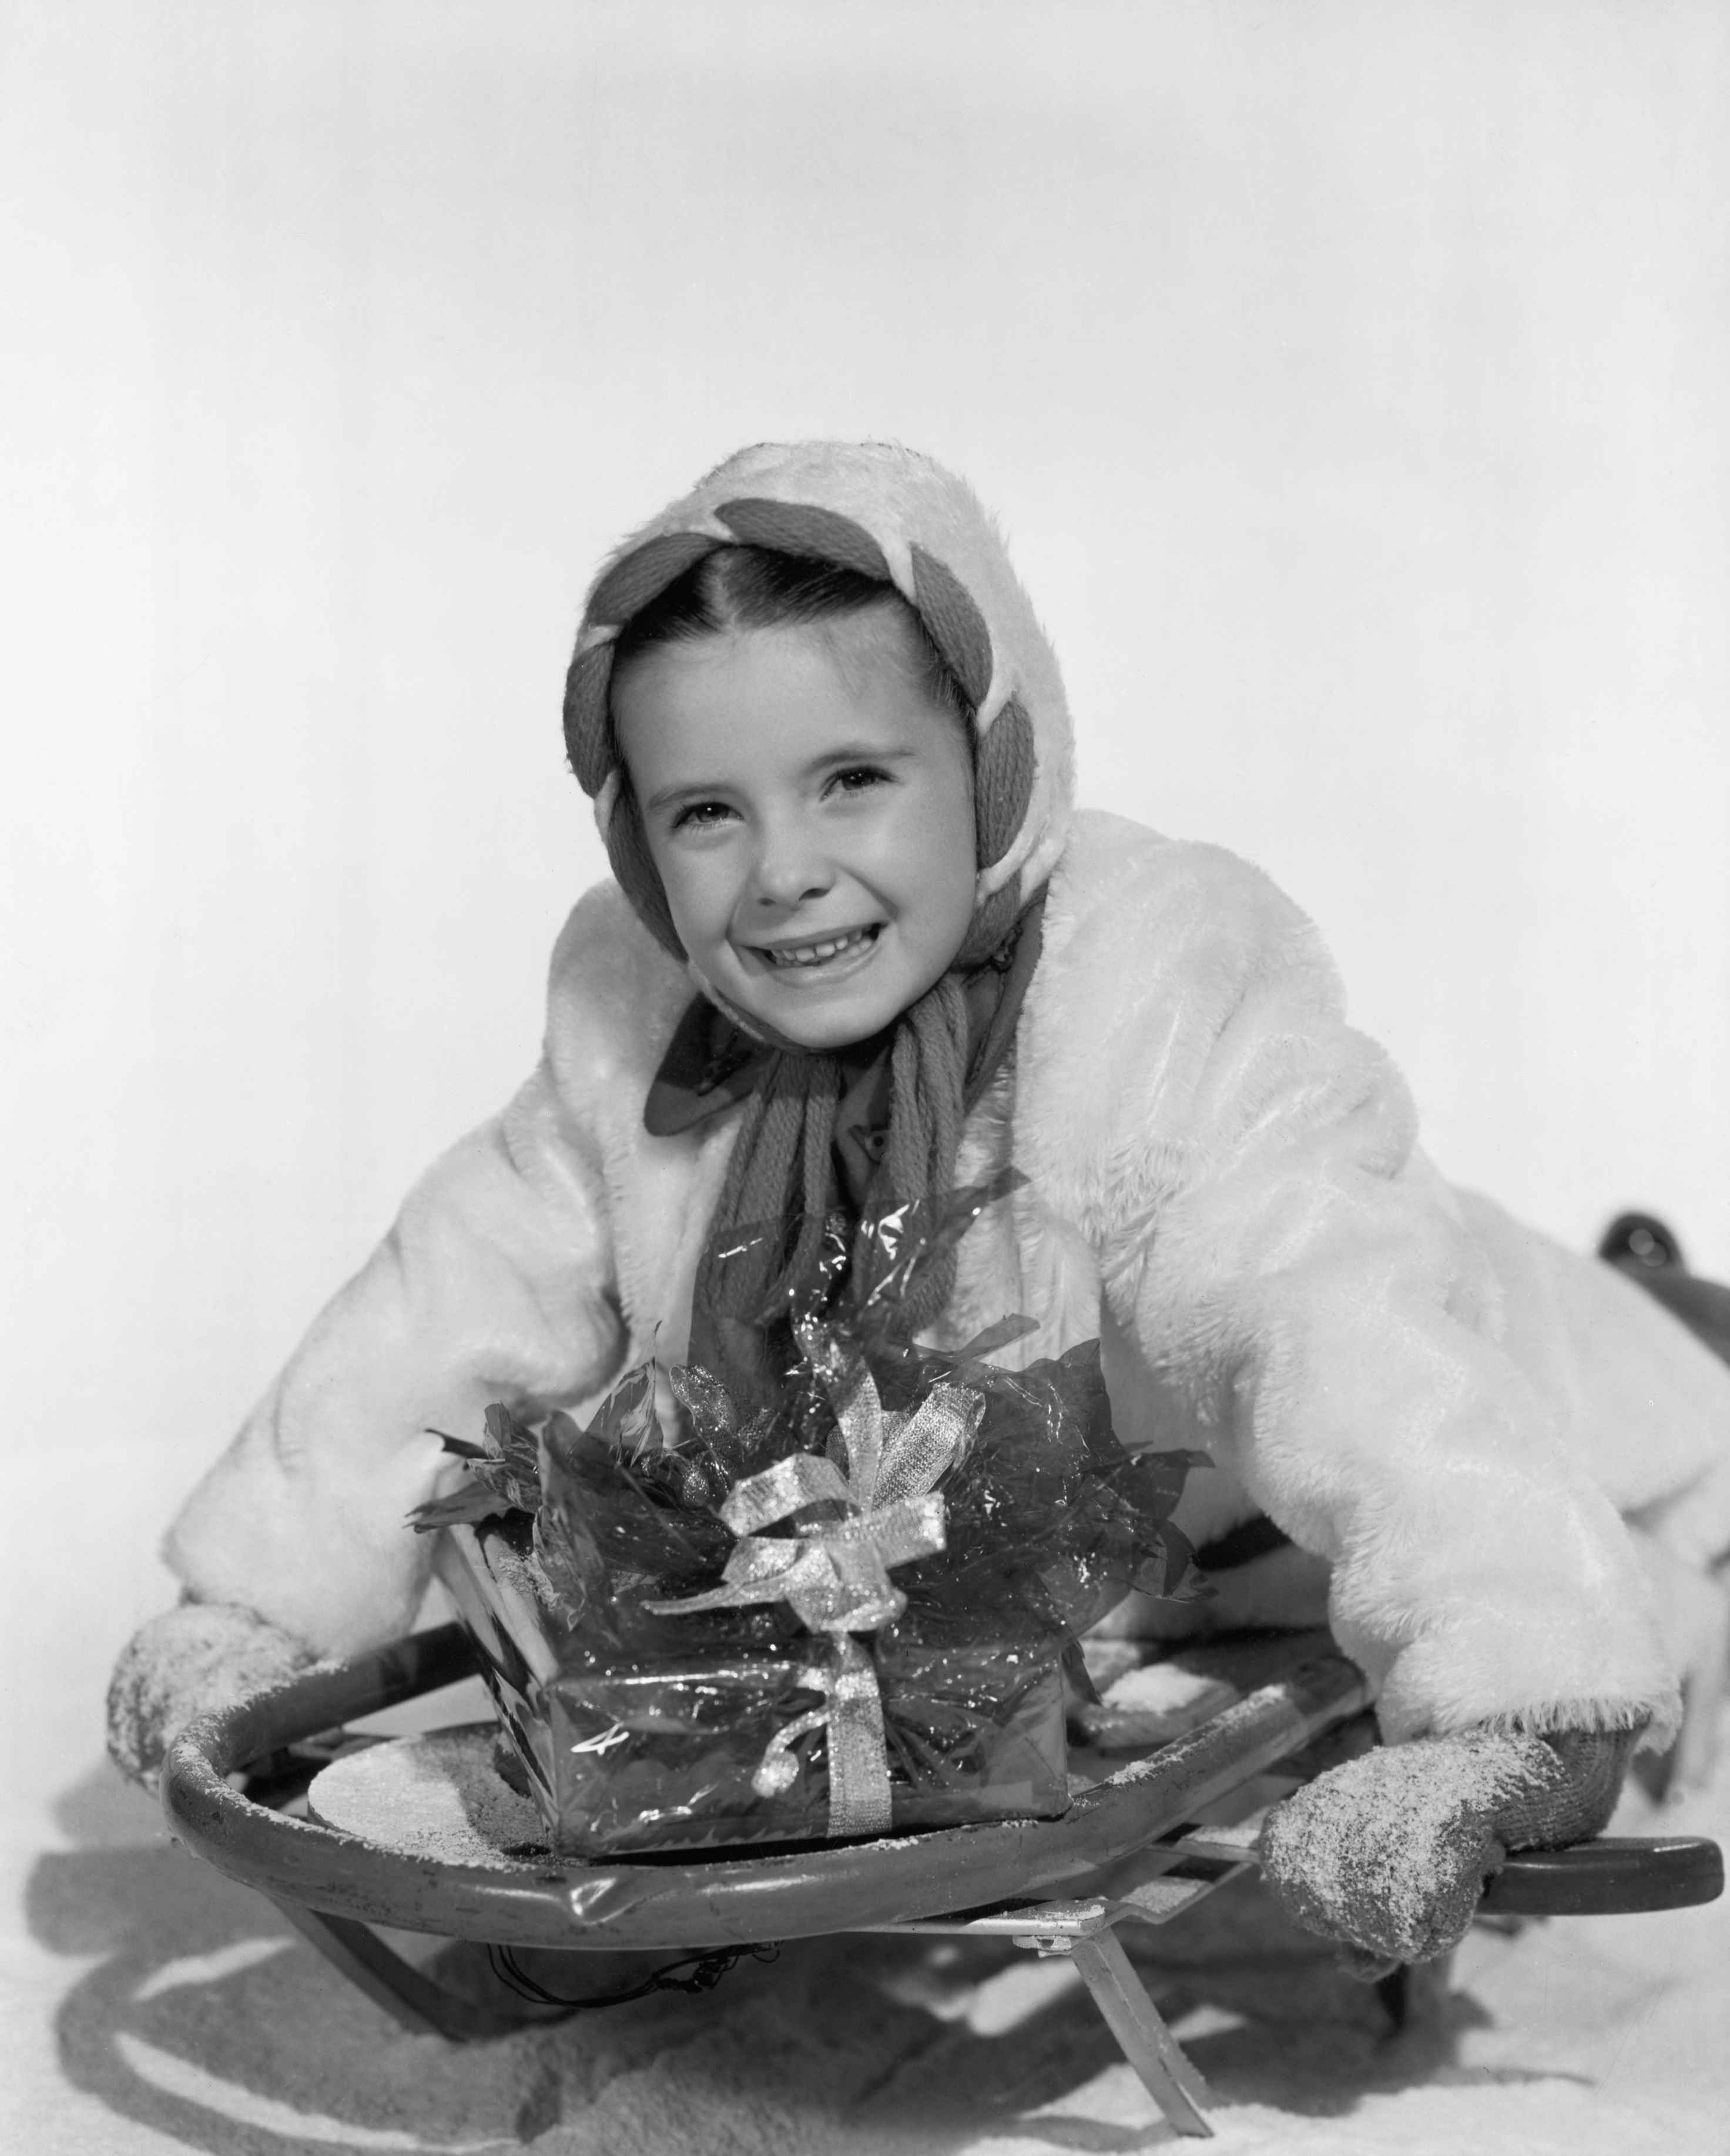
{"points": [[814, 954]]}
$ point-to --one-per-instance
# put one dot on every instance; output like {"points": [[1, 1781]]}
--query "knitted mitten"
{"points": [[191, 1660], [1389, 1853]]}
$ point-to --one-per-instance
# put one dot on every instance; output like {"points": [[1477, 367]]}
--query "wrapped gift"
{"points": [[847, 1610], [625, 1754]]}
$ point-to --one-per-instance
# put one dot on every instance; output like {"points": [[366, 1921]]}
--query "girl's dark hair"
{"points": [[740, 587]]}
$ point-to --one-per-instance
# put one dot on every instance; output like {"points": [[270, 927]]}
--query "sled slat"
{"points": [[1149, 2046]]}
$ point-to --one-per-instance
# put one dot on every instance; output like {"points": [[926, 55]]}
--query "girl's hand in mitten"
{"points": [[1388, 1854], [191, 1660]]}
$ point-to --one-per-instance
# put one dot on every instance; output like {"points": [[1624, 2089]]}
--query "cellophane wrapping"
{"points": [[994, 1510]]}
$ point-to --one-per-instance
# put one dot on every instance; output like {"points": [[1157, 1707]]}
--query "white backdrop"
{"points": [[1351, 380]]}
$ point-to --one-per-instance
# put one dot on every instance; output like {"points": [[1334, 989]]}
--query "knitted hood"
{"points": [[892, 513]]}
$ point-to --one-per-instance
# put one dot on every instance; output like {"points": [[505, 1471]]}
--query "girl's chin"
{"points": [[818, 1009], [834, 1015], [831, 1024]]}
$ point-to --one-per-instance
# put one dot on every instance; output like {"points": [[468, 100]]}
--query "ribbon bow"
{"points": [[835, 1573]]}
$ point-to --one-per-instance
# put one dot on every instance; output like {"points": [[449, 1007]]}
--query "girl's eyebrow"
{"points": [[864, 754], [695, 790]]}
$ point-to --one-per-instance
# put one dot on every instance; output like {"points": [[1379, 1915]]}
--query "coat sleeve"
{"points": [[496, 1282], [1282, 1252]]}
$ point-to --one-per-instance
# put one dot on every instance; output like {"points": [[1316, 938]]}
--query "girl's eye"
{"points": [[701, 815], [859, 778]]}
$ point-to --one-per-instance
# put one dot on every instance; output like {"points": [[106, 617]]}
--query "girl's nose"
{"points": [[791, 867]]}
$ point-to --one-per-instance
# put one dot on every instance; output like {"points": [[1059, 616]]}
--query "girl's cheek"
{"points": [[719, 886]]}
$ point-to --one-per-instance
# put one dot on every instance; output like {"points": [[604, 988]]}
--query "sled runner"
{"points": [[1145, 1837]]}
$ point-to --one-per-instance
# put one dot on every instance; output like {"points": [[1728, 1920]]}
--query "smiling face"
{"points": [[810, 810]]}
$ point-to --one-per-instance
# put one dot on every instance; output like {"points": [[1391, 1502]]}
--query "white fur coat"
{"points": [[1446, 1412]]}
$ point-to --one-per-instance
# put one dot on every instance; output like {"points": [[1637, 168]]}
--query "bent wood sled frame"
{"points": [[1002, 1878]]}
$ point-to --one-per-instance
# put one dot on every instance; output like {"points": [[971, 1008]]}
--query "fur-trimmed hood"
{"points": [[896, 516]]}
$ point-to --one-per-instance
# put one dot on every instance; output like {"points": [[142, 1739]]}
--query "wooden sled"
{"points": [[1144, 1839]]}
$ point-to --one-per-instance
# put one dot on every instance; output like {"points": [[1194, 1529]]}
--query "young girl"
{"points": [[860, 946]]}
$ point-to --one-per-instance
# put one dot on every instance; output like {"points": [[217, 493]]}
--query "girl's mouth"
{"points": [[824, 951]]}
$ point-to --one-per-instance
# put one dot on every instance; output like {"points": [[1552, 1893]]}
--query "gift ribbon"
{"points": [[835, 1573]]}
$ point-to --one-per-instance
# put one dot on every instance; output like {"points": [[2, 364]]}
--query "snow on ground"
{"points": [[149, 2004]]}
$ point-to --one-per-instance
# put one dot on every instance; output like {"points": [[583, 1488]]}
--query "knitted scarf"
{"points": [[826, 1143]]}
